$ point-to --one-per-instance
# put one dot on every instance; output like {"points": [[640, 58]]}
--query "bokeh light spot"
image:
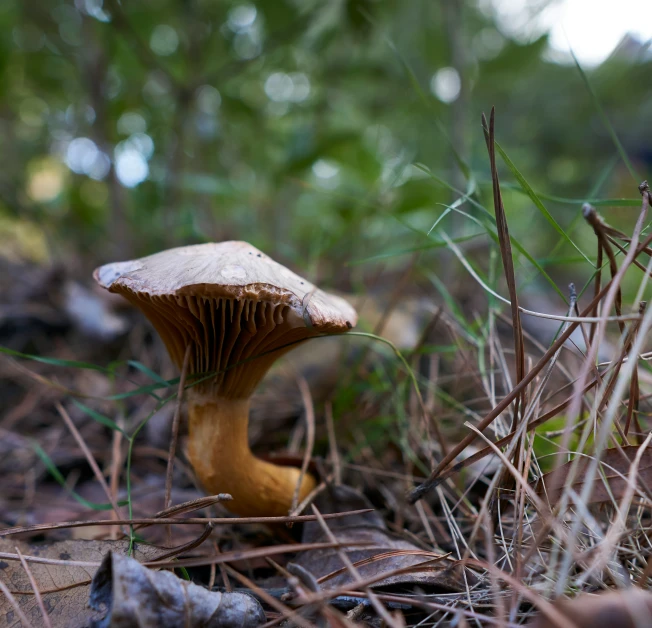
{"points": [[242, 17], [131, 122], [208, 99], [282, 87], [46, 179], [164, 40], [446, 85], [130, 166]]}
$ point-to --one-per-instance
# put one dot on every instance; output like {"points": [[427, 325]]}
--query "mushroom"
{"points": [[239, 311]]}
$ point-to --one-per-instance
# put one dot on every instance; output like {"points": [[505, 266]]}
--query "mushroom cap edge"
{"points": [[233, 270]]}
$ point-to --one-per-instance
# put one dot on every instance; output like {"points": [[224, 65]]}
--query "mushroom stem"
{"points": [[219, 451]]}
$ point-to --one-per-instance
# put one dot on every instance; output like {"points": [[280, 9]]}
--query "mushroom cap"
{"points": [[236, 309], [232, 270]]}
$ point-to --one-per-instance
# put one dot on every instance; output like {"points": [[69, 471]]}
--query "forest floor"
{"points": [[467, 474]]}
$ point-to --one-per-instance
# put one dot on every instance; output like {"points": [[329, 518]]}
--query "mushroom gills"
{"points": [[236, 339]]}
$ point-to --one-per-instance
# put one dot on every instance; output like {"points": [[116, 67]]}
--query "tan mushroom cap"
{"points": [[234, 270], [230, 302]]}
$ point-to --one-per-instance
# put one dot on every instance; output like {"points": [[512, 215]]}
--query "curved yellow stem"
{"points": [[219, 452]]}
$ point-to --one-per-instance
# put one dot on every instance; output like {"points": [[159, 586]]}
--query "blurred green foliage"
{"points": [[295, 124]]}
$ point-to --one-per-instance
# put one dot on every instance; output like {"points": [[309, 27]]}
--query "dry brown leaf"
{"points": [[137, 596], [616, 609], [614, 467], [64, 588], [389, 554]]}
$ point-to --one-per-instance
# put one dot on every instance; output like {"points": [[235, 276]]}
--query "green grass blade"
{"points": [[143, 390], [451, 304], [56, 474], [100, 418], [397, 353], [147, 371], [488, 222], [596, 202], [607, 123], [560, 260], [53, 361], [433, 244], [527, 188]]}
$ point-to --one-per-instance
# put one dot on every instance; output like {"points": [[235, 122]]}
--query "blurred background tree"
{"points": [[326, 133]]}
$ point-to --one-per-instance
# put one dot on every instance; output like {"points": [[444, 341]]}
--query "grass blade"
{"points": [[607, 123], [100, 418], [54, 361], [147, 371], [56, 474], [527, 189]]}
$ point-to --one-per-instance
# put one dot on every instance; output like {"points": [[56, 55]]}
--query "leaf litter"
{"points": [[132, 595], [64, 580], [391, 560]]}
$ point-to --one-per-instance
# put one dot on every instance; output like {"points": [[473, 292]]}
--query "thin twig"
{"points": [[508, 261], [619, 525], [287, 613], [89, 458], [375, 602], [201, 561], [434, 477], [186, 547], [575, 407], [223, 572], [332, 443], [41, 527], [19, 611], [309, 410], [37, 594]]}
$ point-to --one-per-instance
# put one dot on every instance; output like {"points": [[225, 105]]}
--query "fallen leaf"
{"points": [[390, 552], [64, 588], [614, 467], [137, 596], [631, 608]]}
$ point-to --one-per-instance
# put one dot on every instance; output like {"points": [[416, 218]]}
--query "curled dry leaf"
{"points": [[614, 468], [622, 609], [139, 597], [390, 554], [64, 587]]}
